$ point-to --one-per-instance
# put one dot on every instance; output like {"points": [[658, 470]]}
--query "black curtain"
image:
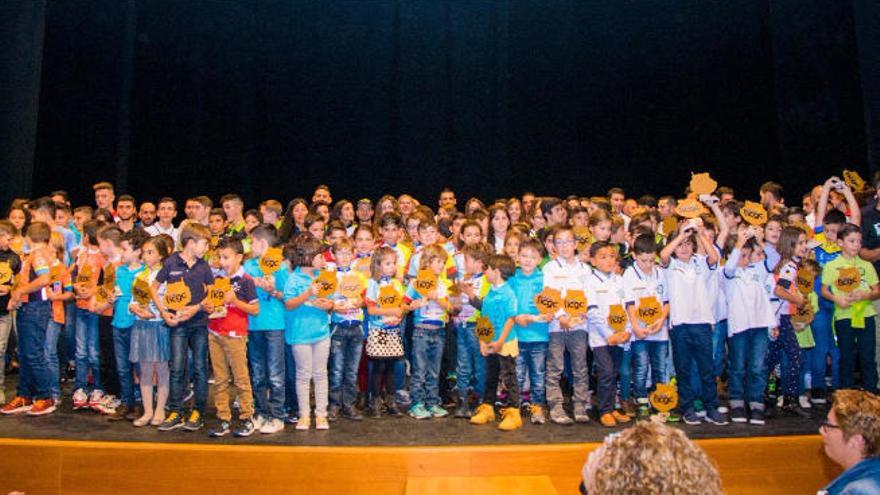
{"points": [[868, 32], [268, 98]]}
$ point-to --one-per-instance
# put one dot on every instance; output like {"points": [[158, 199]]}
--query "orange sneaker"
{"points": [[17, 405], [42, 407], [607, 420], [621, 417]]}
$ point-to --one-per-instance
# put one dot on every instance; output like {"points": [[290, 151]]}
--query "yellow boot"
{"points": [[485, 414], [510, 419]]}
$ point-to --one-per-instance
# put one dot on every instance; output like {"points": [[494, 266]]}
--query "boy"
{"points": [[605, 292], [500, 354], [233, 205], [166, 213], [227, 341], [533, 333], [110, 244], [347, 336], [567, 333], [123, 319], [470, 365], [188, 326], [32, 319], [10, 264], [266, 334], [86, 275], [853, 313]]}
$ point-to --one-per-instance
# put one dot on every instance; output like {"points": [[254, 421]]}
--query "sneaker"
{"points": [[738, 415], [107, 405], [303, 424], [403, 395], [291, 419], [701, 413], [581, 416], [80, 400], [536, 412], [673, 417], [607, 420], [462, 410], [221, 430], [321, 423], [558, 416], [172, 422], [274, 425], [757, 417], [120, 413], [95, 398], [17, 405], [393, 410], [804, 402], [352, 414], [691, 418], [716, 418], [194, 422], [418, 411], [246, 428], [42, 407], [790, 407], [629, 408], [259, 421], [438, 412], [723, 409], [333, 413]]}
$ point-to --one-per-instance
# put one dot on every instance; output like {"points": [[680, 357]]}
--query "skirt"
{"points": [[149, 342]]}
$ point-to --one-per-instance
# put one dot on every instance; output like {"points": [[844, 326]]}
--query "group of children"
{"points": [[522, 307]]}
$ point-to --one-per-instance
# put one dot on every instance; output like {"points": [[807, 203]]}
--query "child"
{"points": [[10, 264], [791, 247], [59, 293], [605, 291], [431, 314], [34, 394], [385, 330], [150, 345], [500, 307], [307, 328], [363, 249], [266, 348], [86, 274], [643, 281], [390, 229], [853, 313], [188, 326], [750, 318], [471, 366], [227, 341], [532, 329], [691, 318], [567, 333], [347, 335]]}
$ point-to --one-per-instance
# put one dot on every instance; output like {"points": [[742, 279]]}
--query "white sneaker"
{"points": [[272, 426], [95, 398], [804, 401], [723, 409], [108, 404], [80, 399], [258, 422]]}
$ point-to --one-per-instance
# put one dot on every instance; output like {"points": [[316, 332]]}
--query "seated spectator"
{"points": [[851, 434]]}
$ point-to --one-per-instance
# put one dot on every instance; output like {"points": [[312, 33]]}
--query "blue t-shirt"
{"points": [[526, 287], [861, 479], [500, 306], [122, 317], [271, 315], [306, 324]]}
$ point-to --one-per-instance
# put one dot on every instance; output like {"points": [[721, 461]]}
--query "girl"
{"points": [[363, 248], [307, 328], [252, 218], [512, 242], [792, 246], [499, 222], [315, 225], [20, 219], [600, 225], [150, 344], [294, 220], [343, 211], [386, 204], [514, 210], [384, 341]]}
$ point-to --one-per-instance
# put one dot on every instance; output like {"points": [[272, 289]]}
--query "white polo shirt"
{"points": [[748, 290], [638, 284], [689, 297], [562, 276], [603, 291]]}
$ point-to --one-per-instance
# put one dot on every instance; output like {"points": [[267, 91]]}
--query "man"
{"points": [[147, 214], [771, 195], [851, 435], [198, 208], [167, 212], [617, 198], [322, 195], [104, 197], [447, 198], [364, 212], [233, 206], [126, 210]]}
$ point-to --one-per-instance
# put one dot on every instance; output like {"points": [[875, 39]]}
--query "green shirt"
{"points": [[868, 276]]}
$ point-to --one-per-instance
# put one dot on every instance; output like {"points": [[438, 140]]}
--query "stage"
{"points": [[83, 452]]}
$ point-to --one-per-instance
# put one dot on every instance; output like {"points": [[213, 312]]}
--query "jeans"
{"points": [[645, 352], [694, 342], [194, 339], [122, 346], [625, 373], [427, 353], [267, 363], [311, 364], [32, 321], [854, 342], [290, 399], [747, 372], [471, 364], [5, 330], [607, 359], [87, 350], [70, 332], [576, 343], [787, 343], [346, 343], [53, 331], [533, 356], [719, 342], [826, 345]]}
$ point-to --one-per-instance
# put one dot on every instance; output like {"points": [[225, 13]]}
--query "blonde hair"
{"points": [[430, 253], [858, 413], [650, 458]]}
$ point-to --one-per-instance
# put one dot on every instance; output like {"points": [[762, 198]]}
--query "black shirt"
{"points": [[14, 262]]}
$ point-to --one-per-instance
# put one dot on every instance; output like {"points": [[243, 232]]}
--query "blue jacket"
{"points": [[861, 479]]}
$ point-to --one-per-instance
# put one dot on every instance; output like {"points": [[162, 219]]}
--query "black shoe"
{"points": [[463, 411], [194, 421], [738, 415], [393, 410], [790, 407], [245, 429], [332, 413], [352, 414], [221, 430]]}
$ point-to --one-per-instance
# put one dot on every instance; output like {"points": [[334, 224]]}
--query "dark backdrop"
{"points": [[270, 97]]}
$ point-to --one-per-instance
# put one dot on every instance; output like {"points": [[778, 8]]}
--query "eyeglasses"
{"points": [[826, 425]]}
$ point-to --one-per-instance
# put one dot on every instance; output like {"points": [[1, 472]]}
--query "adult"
{"points": [[104, 197], [198, 209], [447, 198], [322, 194], [126, 211], [147, 214], [851, 435]]}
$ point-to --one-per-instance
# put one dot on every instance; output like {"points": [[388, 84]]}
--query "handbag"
{"points": [[384, 343]]}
